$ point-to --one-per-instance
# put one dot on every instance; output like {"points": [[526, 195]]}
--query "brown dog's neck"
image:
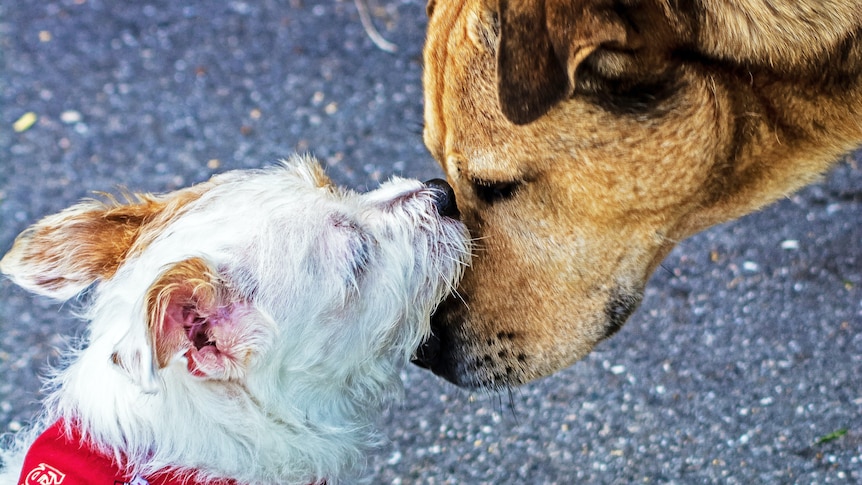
{"points": [[786, 130]]}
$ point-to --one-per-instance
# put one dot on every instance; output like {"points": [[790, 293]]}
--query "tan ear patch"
{"points": [[63, 253]]}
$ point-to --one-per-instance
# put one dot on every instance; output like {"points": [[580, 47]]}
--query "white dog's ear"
{"points": [[177, 304], [64, 253], [194, 316]]}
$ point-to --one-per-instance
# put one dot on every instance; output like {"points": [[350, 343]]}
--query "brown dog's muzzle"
{"points": [[501, 360]]}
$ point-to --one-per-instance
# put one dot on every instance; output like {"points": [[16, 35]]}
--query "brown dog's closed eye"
{"points": [[491, 192]]}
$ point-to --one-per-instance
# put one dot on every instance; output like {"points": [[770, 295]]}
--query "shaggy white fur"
{"points": [[251, 327]]}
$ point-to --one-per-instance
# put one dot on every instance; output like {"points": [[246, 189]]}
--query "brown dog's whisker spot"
{"points": [[506, 335], [481, 363]]}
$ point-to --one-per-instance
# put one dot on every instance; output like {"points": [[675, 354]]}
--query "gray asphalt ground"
{"points": [[743, 365]]}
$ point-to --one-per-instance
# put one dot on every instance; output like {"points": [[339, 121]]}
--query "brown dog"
{"points": [[585, 138]]}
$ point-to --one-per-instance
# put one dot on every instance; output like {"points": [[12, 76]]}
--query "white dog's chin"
{"points": [[251, 327]]}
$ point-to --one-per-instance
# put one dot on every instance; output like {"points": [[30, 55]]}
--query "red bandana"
{"points": [[57, 459]]}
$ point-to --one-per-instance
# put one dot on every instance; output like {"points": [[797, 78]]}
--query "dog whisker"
{"points": [[512, 408]]}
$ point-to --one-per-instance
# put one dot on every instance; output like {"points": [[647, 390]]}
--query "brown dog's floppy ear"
{"points": [[63, 253], [541, 45]]}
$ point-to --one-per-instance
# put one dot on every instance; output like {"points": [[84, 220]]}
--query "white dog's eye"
{"points": [[360, 252], [351, 246]]}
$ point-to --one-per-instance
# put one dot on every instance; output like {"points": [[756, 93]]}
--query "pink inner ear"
{"points": [[206, 337], [195, 319], [196, 326]]}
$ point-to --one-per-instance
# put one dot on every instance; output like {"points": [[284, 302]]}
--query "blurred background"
{"points": [[743, 365]]}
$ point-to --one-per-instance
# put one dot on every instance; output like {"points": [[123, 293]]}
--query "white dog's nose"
{"points": [[444, 198]]}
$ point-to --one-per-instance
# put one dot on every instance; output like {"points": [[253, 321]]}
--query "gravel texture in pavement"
{"points": [[743, 364]]}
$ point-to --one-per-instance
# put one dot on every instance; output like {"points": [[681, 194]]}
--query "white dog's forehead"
{"points": [[241, 205], [280, 222], [296, 192]]}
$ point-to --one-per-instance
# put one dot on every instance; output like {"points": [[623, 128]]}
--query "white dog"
{"points": [[246, 330]]}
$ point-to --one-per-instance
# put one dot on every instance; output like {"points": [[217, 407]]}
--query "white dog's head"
{"points": [[250, 327]]}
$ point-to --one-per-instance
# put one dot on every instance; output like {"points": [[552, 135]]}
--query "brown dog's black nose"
{"points": [[444, 198]]}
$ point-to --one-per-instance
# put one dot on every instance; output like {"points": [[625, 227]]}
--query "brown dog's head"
{"points": [[585, 138]]}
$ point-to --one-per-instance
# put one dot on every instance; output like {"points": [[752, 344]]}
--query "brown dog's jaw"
{"points": [[505, 358], [493, 363]]}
